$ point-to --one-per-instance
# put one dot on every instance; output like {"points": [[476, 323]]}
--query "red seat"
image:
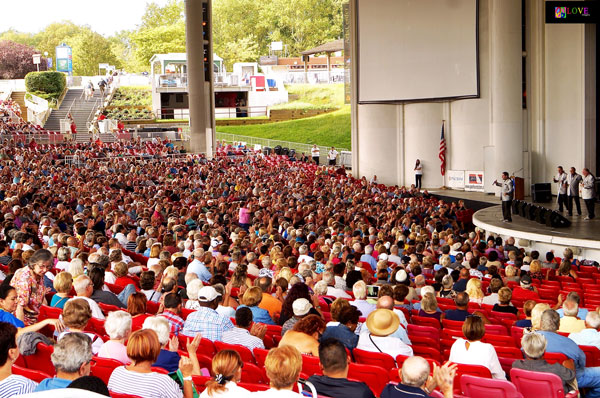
{"points": [[97, 326], [253, 374], [381, 359], [497, 340], [428, 353], [400, 360], [31, 374], [426, 321], [311, 365], [374, 376], [452, 334], [206, 346], [200, 382], [496, 329], [244, 352], [260, 354], [103, 368], [47, 312], [517, 333], [107, 308], [555, 357], [454, 325], [478, 387], [152, 307], [592, 355], [116, 289], [41, 359], [185, 312], [424, 341], [473, 370], [538, 384], [420, 330]]}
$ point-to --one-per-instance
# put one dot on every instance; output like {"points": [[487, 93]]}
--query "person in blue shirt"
{"points": [[71, 358], [344, 332], [368, 258], [252, 298], [198, 267], [8, 305], [573, 296], [587, 377]]}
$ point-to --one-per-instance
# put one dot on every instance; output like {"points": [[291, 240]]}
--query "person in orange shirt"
{"points": [[268, 302]]}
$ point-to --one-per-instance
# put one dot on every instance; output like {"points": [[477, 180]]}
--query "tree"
{"points": [[16, 60], [19, 37], [159, 40], [156, 16], [89, 50], [57, 33]]}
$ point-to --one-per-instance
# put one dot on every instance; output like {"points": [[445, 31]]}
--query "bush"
{"points": [[45, 82]]}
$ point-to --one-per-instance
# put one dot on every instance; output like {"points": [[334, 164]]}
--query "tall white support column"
{"points": [[505, 92]]}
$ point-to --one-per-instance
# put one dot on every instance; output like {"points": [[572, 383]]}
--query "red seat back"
{"points": [[103, 368], [374, 376], [498, 340], [244, 352], [450, 324], [555, 357], [253, 387], [260, 354], [41, 359], [426, 321], [473, 370], [185, 312], [152, 307], [381, 359], [253, 374], [121, 395], [475, 387], [428, 353], [206, 346], [116, 289], [537, 384], [310, 365], [425, 331], [592, 355], [31, 374], [106, 308]]}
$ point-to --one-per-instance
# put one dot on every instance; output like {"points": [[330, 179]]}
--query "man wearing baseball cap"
{"points": [[206, 320], [526, 291]]}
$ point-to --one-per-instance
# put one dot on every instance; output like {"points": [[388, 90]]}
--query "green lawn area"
{"points": [[328, 129], [314, 96]]}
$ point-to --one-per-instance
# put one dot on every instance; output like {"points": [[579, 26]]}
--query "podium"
{"points": [[519, 188]]}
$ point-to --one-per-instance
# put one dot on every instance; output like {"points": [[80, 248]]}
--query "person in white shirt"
{"points": [[507, 196], [227, 367], [245, 332], [332, 156], [472, 351], [589, 335], [381, 324], [304, 257], [394, 257], [573, 180], [588, 192], [418, 174], [329, 278], [84, 288], [315, 153], [495, 286], [561, 180], [283, 366], [360, 299]]}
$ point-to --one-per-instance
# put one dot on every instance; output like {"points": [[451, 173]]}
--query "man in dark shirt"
{"points": [[461, 283], [534, 345], [460, 313], [417, 383], [334, 382]]}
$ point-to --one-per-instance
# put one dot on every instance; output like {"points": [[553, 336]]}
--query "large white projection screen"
{"points": [[411, 50]]}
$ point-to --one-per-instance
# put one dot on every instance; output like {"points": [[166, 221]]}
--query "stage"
{"points": [[582, 235]]}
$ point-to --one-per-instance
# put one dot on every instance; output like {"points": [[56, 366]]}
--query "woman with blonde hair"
{"points": [[75, 268], [510, 273], [251, 299], [536, 315], [63, 282], [283, 365], [474, 291], [155, 250], [227, 368], [535, 270]]}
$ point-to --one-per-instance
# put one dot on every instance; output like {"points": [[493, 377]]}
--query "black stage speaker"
{"points": [[277, 150], [556, 220], [285, 151], [541, 193], [515, 206], [523, 209], [532, 210], [266, 150], [540, 214]]}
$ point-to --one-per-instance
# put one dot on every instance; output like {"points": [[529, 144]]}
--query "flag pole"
{"points": [[444, 187]]}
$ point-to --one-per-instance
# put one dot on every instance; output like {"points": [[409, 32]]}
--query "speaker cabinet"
{"points": [[541, 193]]}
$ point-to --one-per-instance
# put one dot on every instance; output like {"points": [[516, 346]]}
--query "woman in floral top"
{"points": [[29, 284]]}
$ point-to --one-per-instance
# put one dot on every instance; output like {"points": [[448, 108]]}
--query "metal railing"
{"points": [[258, 143], [241, 112]]}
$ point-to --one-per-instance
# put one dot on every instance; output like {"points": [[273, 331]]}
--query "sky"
{"points": [[103, 16]]}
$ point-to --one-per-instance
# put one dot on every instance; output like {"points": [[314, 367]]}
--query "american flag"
{"points": [[442, 154]]}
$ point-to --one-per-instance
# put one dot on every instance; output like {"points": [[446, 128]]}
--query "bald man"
{"points": [[416, 381], [388, 303]]}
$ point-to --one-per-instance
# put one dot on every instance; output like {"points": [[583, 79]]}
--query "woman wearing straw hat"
{"points": [[381, 324]]}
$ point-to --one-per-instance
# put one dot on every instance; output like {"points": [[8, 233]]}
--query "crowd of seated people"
{"points": [[189, 272]]}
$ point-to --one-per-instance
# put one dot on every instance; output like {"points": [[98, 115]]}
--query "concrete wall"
{"points": [[558, 126]]}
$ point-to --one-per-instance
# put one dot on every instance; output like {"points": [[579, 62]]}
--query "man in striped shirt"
{"points": [[206, 320], [172, 304], [246, 333]]}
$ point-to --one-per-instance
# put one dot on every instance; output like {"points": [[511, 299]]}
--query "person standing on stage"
{"points": [[315, 153], [332, 156], [588, 194], [507, 196], [561, 180], [418, 174], [573, 180]]}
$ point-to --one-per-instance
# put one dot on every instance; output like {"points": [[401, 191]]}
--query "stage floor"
{"points": [[488, 215]]}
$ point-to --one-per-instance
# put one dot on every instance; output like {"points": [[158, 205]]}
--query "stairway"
{"points": [[19, 98], [81, 110]]}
